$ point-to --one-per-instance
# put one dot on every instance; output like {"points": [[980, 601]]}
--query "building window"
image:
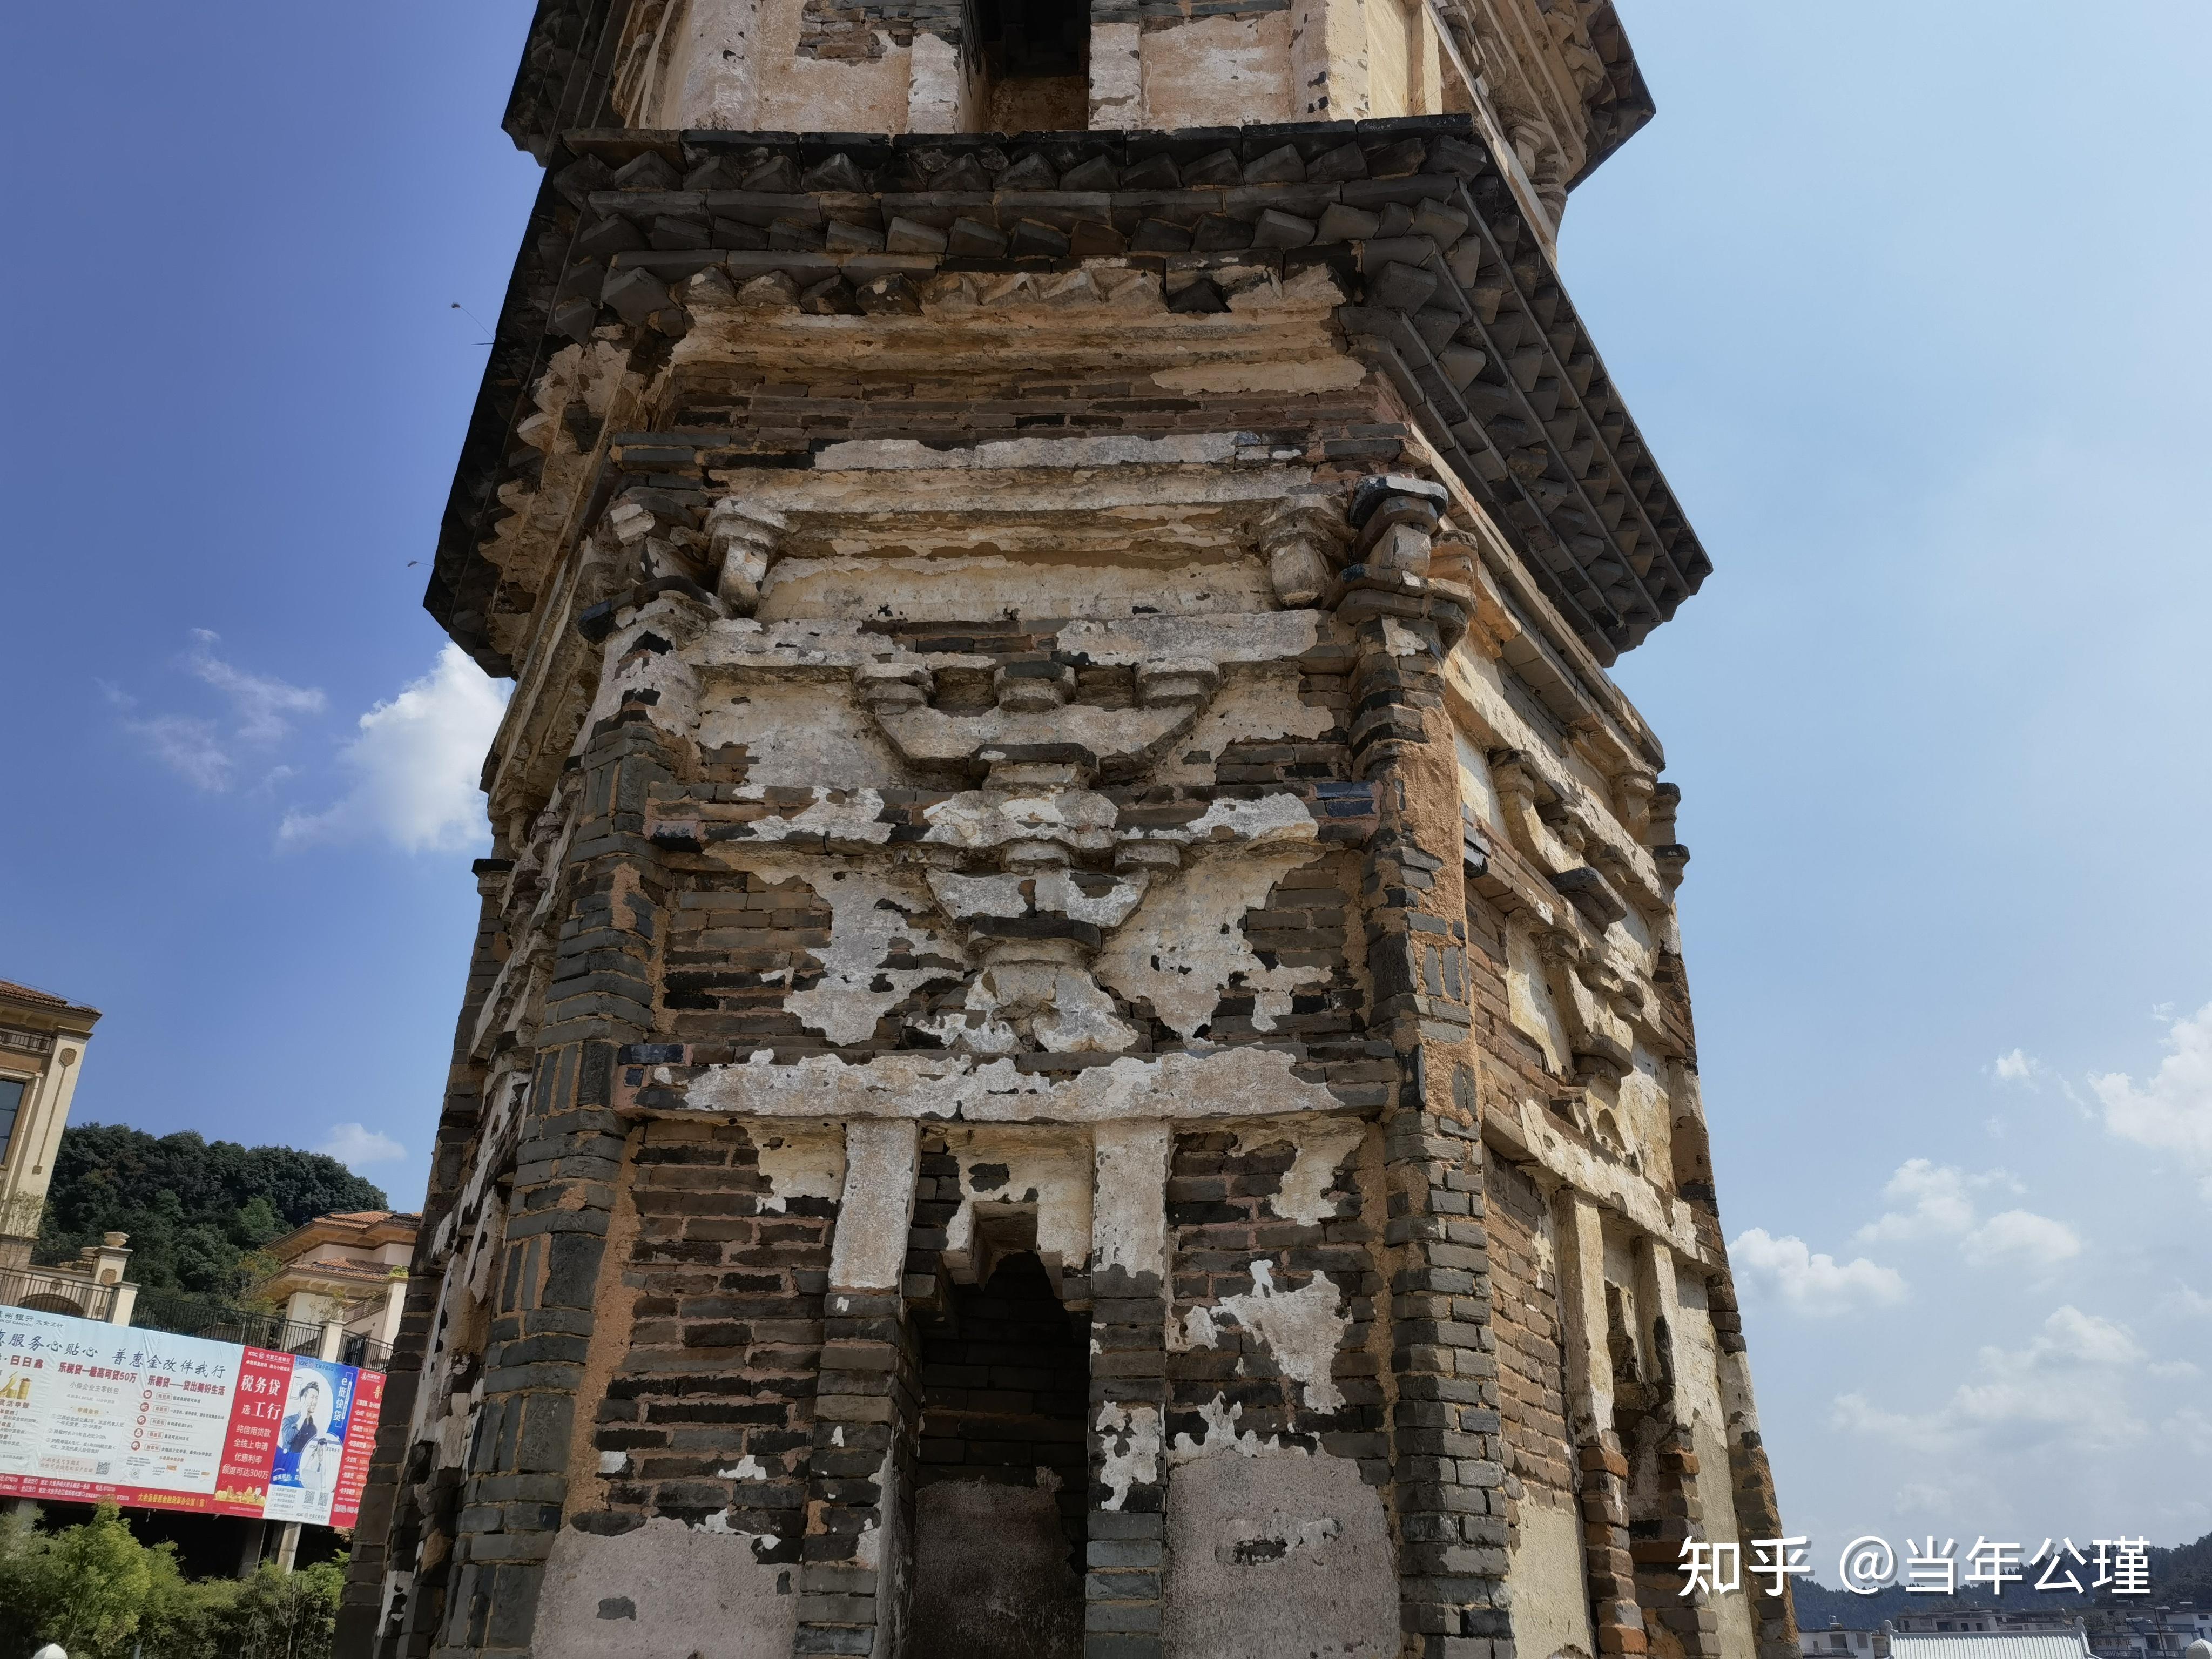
{"points": [[11, 1102]]}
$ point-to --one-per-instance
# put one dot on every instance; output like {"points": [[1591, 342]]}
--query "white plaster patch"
{"points": [[613, 1462], [1475, 788], [1277, 818], [1130, 1230], [1130, 1449], [747, 1467], [868, 1548], [797, 732], [1203, 1083], [1255, 705], [846, 816], [1301, 1327], [1320, 1149], [1190, 949], [1551, 1597], [800, 1166], [1196, 1331], [1528, 999], [762, 1542], [979, 819], [869, 909], [1082, 1019], [868, 1249], [1053, 1173], [1057, 1000]]}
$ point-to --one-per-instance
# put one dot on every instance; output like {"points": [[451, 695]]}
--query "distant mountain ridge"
{"points": [[195, 1209]]}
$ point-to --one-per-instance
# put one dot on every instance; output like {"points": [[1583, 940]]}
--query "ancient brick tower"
{"points": [[1077, 1042]]}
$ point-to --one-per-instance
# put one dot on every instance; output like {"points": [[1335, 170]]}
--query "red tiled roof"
{"points": [[15, 991]]}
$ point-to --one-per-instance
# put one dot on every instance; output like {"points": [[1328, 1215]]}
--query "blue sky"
{"points": [[1908, 300]]}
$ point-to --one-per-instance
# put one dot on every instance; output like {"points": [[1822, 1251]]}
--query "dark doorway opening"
{"points": [[1037, 61], [1003, 1481]]}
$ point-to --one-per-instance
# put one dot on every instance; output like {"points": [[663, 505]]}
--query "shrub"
{"points": [[100, 1593]]}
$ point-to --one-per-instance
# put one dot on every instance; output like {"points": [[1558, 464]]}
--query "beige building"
{"points": [[1077, 1041], [43, 1038], [346, 1269]]}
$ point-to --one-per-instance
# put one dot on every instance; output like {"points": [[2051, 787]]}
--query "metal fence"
{"points": [[367, 1352], [186, 1316], [53, 1292], [222, 1321]]}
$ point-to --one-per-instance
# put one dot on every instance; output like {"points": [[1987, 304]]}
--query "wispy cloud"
{"points": [[208, 752], [2171, 1111], [1815, 1285], [415, 764], [266, 706], [2069, 1382], [356, 1146]]}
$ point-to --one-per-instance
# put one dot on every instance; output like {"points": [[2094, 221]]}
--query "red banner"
{"points": [[360, 1447], [156, 1420], [251, 1442]]}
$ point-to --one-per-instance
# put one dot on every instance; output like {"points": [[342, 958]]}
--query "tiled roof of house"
{"points": [[14, 991], [340, 1226]]}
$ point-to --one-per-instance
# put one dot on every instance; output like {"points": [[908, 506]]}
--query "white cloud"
{"points": [[1932, 1201], [2190, 1429], [1935, 1200], [202, 750], [2170, 1369], [2070, 1383], [355, 1144], [2021, 1239], [2193, 1303], [1817, 1285], [2172, 1112], [2019, 1067], [415, 764]]}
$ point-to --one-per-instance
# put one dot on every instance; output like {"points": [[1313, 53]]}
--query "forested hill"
{"points": [[193, 1208]]}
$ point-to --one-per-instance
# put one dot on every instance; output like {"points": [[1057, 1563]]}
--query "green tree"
{"points": [[86, 1587], [195, 1210], [101, 1594], [281, 1615]]}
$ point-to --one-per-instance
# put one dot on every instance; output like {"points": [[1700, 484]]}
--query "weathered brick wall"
{"points": [[1228, 1236], [721, 1367], [1531, 1364]]}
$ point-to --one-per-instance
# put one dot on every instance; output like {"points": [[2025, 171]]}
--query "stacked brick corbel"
{"points": [[392, 1584], [1441, 1393], [564, 1189]]}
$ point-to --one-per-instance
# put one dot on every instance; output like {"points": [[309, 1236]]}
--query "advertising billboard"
{"points": [[90, 1411]]}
